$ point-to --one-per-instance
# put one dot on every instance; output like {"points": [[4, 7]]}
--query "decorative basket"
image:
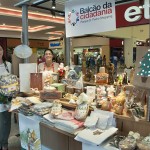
{"points": [[9, 85], [81, 111]]}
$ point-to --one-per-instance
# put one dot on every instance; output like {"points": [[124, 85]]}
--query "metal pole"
{"points": [[25, 27], [67, 51]]}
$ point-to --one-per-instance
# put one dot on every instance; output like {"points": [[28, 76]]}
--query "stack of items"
{"points": [[41, 109], [100, 127]]}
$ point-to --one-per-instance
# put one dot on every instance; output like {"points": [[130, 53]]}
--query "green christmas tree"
{"points": [[145, 65]]}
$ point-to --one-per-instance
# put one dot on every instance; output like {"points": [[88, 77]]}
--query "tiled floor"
{"points": [[14, 141]]}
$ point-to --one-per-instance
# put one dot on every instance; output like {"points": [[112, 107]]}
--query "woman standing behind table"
{"points": [[5, 116], [47, 67]]}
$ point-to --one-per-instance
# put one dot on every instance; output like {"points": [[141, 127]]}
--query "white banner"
{"points": [[89, 16]]}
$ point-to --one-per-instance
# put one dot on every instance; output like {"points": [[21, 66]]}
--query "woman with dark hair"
{"points": [[5, 116], [48, 64], [47, 67]]}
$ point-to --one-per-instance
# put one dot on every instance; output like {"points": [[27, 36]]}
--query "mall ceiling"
{"points": [[50, 25]]}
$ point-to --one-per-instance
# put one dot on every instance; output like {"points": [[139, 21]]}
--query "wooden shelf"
{"points": [[131, 119], [127, 124], [90, 83]]}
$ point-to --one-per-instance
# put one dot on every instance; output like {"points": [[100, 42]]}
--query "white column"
{"points": [[128, 51]]}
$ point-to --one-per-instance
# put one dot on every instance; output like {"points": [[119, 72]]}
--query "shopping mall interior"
{"points": [[42, 25]]}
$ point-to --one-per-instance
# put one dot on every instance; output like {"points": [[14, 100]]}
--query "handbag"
{"points": [[9, 85]]}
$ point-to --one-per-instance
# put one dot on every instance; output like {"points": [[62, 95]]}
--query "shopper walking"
{"points": [[5, 116], [104, 60]]}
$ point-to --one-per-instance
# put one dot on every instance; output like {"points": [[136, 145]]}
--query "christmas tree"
{"points": [[145, 65]]}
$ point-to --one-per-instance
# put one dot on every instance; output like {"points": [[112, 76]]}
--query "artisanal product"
{"points": [[116, 140], [101, 92], [49, 88], [66, 115], [91, 121], [56, 108], [91, 92], [59, 86], [144, 144], [70, 96], [102, 77], [70, 89], [105, 104], [81, 111], [127, 144], [130, 142], [36, 81], [9, 85], [55, 77], [51, 95], [41, 109]]}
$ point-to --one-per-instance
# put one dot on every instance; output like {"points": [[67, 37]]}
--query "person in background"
{"points": [[99, 62], [115, 62], [122, 60], [104, 60], [5, 116]]}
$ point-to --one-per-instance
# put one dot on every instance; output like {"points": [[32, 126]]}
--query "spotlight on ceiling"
{"points": [[53, 14], [53, 4]]}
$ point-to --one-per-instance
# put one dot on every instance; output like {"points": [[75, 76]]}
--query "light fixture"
{"points": [[141, 3], [53, 14], [53, 4]]}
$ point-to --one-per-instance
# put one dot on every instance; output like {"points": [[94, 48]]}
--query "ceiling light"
{"points": [[53, 14], [53, 4], [141, 7]]}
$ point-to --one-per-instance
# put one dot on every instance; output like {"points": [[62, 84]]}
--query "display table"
{"points": [[56, 139]]}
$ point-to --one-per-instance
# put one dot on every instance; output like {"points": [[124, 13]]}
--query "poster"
{"points": [[29, 132], [24, 74], [89, 16]]}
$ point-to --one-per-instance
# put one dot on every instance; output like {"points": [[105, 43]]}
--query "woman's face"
{"points": [[1, 52], [48, 55]]}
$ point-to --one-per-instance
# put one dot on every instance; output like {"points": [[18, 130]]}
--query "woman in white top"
{"points": [[47, 67], [5, 116]]}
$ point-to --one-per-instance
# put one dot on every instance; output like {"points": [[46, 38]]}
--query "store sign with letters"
{"points": [[89, 16], [134, 13], [129, 14], [56, 44]]}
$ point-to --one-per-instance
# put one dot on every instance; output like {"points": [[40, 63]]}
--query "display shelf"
{"points": [[71, 106], [94, 83], [127, 124], [141, 121], [90, 83]]}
